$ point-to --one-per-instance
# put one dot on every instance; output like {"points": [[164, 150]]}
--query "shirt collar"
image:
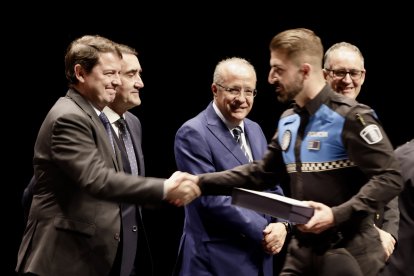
{"points": [[112, 115]]}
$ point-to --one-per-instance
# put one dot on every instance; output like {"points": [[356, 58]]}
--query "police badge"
{"points": [[286, 137]]}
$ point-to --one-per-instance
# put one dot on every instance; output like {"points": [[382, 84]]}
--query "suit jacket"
{"points": [[219, 238], [27, 199], [74, 224], [387, 218], [401, 260], [135, 246]]}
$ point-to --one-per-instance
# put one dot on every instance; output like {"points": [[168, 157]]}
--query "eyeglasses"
{"points": [[341, 73], [236, 91]]}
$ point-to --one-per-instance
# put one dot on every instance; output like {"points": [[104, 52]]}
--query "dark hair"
{"points": [[86, 51]]}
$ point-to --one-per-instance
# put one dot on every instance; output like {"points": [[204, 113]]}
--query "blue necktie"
{"points": [[126, 138], [237, 131], [108, 128]]}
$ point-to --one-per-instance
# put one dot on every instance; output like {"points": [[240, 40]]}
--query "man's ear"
{"points": [[214, 89], [79, 73]]}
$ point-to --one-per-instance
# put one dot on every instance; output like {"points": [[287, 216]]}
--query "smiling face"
{"points": [[346, 72], [99, 85], [233, 90]]}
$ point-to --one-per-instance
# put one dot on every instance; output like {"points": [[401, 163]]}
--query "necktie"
{"points": [[237, 131], [126, 138], [108, 128]]}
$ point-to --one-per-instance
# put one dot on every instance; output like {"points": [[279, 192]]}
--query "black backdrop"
{"points": [[178, 48]]}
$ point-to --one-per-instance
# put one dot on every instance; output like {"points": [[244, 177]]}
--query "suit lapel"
{"points": [[254, 147], [99, 127], [223, 135]]}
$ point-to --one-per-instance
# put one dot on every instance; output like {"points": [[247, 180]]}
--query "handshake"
{"points": [[181, 188]]}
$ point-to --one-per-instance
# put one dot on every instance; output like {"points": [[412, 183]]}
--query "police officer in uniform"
{"points": [[338, 158]]}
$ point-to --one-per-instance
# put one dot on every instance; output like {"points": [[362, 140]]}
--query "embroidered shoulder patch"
{"points": [[371, 134]]}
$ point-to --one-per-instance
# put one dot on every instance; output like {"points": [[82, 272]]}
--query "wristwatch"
{"points": [[287, 226]]}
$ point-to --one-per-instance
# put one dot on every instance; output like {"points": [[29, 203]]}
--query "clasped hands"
{"points": [[181, 188], [274, 236]]}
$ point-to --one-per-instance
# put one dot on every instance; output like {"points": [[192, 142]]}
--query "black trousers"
{"points": [[359, 253]]}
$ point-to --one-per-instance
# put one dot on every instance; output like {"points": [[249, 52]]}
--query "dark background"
{"points": [[179, 47]]}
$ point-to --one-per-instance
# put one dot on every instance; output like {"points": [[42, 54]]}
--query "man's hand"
{"points": [[181, 188], [321, 220], [387, 241], [274, 236]]}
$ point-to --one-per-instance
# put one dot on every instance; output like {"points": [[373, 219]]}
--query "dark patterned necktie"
{"points": [[237, 132], [108, 128], [126, 139]]}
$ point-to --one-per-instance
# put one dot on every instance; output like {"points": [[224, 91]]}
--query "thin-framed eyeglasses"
{"points": [[341, 73], [236, 91]]}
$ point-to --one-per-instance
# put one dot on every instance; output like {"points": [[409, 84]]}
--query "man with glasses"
{"points": [[218, 237], [344, 69], [345, 72]]}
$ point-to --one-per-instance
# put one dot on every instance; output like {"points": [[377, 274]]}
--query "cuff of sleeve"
{"points": [[166, 188]]}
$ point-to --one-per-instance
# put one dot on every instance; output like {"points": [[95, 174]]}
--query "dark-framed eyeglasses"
{"points": [[341, 73], [236, 91]]}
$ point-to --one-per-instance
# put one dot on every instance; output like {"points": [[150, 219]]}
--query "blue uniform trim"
{"points": [[322, 148]]}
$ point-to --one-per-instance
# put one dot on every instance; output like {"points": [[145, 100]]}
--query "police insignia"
{"points": [[314, 145], [371, 134], [286, 137]]}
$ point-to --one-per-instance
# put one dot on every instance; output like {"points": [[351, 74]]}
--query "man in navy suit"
{"points": [[218, 237]]}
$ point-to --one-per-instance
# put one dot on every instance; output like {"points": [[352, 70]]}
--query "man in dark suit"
{"points": [[135, 257], [401, 261], [218, 237], [74, 224]]}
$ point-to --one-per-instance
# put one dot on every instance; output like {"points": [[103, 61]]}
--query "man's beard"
{"points": [[291, 91]]}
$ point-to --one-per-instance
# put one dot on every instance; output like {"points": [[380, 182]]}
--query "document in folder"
{"points": [[272, 204]]}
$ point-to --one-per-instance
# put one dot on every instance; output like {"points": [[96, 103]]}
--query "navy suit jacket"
{"points": [[219, 238]]}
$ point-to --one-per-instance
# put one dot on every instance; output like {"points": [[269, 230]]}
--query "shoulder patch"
{"points": [[286, 137], [371, 134]]}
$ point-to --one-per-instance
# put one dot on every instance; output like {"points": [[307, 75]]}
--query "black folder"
{"points": [[272, 204]]}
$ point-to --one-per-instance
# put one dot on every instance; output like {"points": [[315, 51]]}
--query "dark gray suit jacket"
{"points": [[401, 260], [74, 224]]}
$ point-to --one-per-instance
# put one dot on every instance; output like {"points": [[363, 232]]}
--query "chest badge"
{"points": [[314, 145], [286, 138]]}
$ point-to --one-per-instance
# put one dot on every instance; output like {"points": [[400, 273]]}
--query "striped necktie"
{"points": [[126, 139], [237, 132]]}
